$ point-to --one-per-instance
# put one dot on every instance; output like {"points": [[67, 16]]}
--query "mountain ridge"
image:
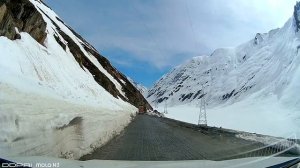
{"points": [[255, 82], [231, 74]]}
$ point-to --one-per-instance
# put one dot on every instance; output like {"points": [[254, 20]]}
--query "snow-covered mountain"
{"points": [[143, 89], [58, 95], [258, 77]]}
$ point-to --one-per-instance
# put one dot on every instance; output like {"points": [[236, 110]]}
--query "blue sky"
{"points": [[144, 39]]}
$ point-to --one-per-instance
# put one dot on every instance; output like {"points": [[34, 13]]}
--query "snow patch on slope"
{"points": [[52, 30]]}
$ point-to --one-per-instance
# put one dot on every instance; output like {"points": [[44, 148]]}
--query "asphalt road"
{"points": [[159, 139]]}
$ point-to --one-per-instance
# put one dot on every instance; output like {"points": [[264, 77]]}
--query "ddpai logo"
{"points": [[44, 165], [16, 165]]}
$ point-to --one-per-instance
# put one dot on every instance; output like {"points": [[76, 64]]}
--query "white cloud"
{"points": [[166, 32]]}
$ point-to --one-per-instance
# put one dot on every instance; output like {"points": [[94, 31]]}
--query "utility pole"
{"points": [[202, 115]]}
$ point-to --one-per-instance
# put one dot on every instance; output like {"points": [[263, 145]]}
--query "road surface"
{"points": [[153, 138]]}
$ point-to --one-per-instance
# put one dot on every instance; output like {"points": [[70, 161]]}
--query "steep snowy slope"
{"points": [[58, 95], [245, 84], [143, 89]]}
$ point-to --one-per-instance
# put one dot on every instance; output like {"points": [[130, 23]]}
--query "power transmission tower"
{"points": [[166, 108], [202, 115]]}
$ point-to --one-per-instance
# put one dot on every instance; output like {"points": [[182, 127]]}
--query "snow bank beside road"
{"points": [[57, 99], [42, 92], [281, 144], [31, 124], [49, 105]]}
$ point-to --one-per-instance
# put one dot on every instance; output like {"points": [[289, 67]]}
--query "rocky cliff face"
{"points": [[23, 16]]}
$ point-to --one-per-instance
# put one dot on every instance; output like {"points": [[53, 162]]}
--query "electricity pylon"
{"points": [[202, 115]]}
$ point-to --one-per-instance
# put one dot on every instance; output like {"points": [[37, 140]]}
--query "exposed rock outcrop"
{"points": [[258, 39], [21, 15], [296, 15]]}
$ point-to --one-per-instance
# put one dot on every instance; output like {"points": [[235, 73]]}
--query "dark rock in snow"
{"points": [[21, 14]]}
